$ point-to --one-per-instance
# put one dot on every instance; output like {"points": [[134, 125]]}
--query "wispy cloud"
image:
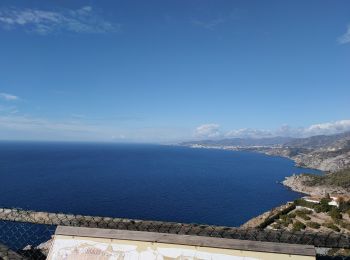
{"points": [[28, 127], [209, 24], [248, 133], [83, 20], [16, 126], [8, 109], [207, 131], [215, 21], [8, 97], [214, 131], [345, 38], [24, 122]]}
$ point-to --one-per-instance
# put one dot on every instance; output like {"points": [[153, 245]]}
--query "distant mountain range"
{"points": [[273, 141], [323, 152], [321, 141]]}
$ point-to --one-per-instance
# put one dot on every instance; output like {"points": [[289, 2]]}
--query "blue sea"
{"points": [[151, 182]]}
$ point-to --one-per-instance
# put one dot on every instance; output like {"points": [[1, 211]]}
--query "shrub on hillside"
{"points": [[322, 207], [304, 203], [285, 220], [276, 226], [297, 226], [312, 224], [340, 179], [303, 211], [292, 215], [331, 226], [305, 217], [335, 214]]}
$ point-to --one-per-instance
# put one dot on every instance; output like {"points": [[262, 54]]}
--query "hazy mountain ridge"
{"points": [[271, 141], [320, 141], [324, 152]]}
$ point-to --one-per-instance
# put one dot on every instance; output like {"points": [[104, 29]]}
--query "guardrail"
{"points": [[21, 231]]}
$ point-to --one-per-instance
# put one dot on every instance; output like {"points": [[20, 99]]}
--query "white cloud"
{"points": [[345, 38], [8, 97], [328, 128], [207, 131], [248, 133], [210, 25], [82, 20], [213, 130]]}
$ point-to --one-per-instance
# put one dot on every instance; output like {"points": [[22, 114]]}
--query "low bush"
{"points": [[303, 211], [297, 226], [335, 214], [276, 226], [285, 220], [292, 215], [323, 208], [312, 224], [304, 203], [331, 226], [340, 179], [305, 217], [284, 217]]}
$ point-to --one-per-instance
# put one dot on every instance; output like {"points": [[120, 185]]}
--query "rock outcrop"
{"points": [[323, 161], [297, 183]]}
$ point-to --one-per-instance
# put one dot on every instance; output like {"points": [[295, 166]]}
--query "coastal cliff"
{"points": [[325, 159], [299, 183], [326, 153], [332, 183]]}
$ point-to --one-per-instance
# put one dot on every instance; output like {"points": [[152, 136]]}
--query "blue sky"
{"points": [[164, 71]]}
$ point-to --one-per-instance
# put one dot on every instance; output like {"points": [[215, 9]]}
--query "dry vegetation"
{"points": [[316, 217], [337, 179]]}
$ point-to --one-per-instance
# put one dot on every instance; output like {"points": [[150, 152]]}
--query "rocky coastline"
{"points": [[308, 159], [297, 183], [329, 154], [319, 160]]}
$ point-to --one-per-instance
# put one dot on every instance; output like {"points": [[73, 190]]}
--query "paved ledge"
{"points": [[269, 247]]}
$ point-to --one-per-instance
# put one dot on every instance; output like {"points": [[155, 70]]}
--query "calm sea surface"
{"points": [[143, 181]]}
